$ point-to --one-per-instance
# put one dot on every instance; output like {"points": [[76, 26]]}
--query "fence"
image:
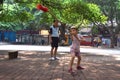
{"points": [[35, 39], [23, 37]]}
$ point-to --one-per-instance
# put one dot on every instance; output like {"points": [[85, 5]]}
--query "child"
{"points": [[75, 48]]}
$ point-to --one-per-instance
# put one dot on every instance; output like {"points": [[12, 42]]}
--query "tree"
{"points": [[12, 13], [111, 8], [66, 11], [57, 9]]}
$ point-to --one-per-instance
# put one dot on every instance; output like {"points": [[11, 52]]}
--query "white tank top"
{"points": [[55, 31]]}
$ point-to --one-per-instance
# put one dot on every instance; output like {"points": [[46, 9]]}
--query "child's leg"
{"points": [[55, 51], [78, 63], [71, 61], [79, 59], [52, 49]]}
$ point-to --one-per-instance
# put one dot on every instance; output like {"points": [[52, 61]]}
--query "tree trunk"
{"points": [[112, 39], [62, 32], [112, 34]]}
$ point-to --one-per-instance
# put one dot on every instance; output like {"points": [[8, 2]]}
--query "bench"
{"points": [[12, 54], [9, 54]]}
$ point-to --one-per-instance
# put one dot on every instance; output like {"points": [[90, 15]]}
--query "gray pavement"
{"points": [[33, 64]]}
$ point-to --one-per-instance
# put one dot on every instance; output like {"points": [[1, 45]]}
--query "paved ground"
{"points": [[34, 65]]}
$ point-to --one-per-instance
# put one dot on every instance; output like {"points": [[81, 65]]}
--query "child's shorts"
{"points": [[55, 41], [75, 52]]}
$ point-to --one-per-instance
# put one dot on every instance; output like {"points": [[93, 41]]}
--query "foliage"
{"points": [[24, 12], [111, 8], [79, 12], [95, 30]]}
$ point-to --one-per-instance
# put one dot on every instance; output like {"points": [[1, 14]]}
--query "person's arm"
{"points": [[50, 39], [76, 36], [71, 37], [50, 33], [80, 38]]}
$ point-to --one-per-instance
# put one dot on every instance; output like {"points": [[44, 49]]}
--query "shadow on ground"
{"points": [[32, 65]]}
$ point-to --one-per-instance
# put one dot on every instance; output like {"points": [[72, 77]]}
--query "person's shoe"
{"points": [[52, 59], [70, 70], [79, 68], [56, 58]]}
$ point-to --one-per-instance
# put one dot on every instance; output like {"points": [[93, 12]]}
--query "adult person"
{"points": [[118, 40], [97, 41], [54, 39]]}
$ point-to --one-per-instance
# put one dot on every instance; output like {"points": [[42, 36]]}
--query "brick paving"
{"points": [[32, 65]]}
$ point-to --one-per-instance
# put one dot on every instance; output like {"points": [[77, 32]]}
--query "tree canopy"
{"points": [[25, 14]]}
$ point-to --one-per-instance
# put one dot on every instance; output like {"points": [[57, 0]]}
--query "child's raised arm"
{"points": [[82, 38], [71, 37], [76, 36]]}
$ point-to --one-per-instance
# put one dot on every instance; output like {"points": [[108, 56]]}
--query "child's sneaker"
{"points": [[56, 58], [52, 59], [79, 68]]}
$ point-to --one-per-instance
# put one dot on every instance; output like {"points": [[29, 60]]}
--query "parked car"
{"points": [[86, 33], [87, 41]]}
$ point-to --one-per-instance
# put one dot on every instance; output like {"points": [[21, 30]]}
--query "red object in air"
{"points": [[45, 9], [41, 7]]}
